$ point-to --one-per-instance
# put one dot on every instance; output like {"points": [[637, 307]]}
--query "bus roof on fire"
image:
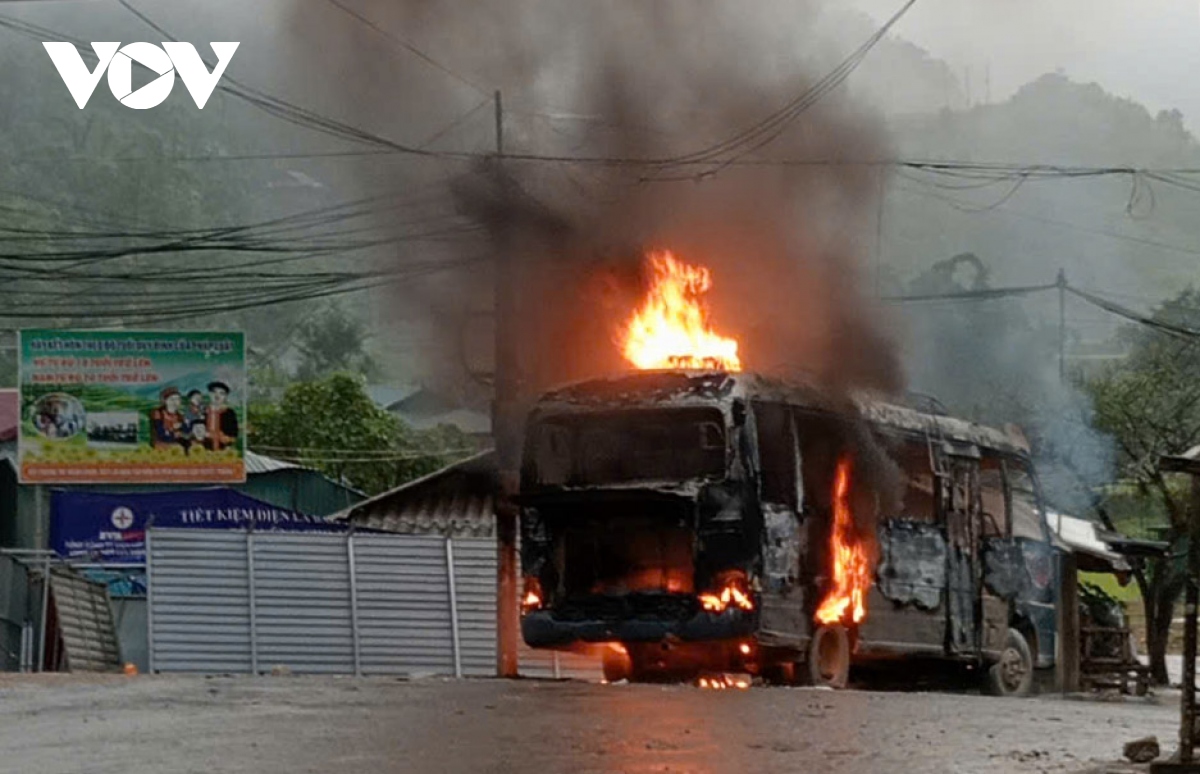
{"points": [[682, 388]]}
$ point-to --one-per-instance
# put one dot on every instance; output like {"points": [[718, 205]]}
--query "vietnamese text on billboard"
{"points": [[121, 407]]}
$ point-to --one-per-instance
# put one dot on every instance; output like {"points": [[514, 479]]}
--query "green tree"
{"points": [[332, 341], [1150, 405], [333, 425]]}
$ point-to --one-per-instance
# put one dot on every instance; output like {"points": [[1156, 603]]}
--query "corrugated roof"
{"points": [[386, 396], [258, 463], [456, 500], [467, 420], [1082, 537]]}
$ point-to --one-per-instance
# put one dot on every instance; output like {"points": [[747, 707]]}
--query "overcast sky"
{"points": [[1145, 49]]}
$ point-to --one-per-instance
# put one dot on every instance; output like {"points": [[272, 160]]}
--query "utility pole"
{"points": [[1184, 762], [507, 433], [1191, 599], [1062, 325]]}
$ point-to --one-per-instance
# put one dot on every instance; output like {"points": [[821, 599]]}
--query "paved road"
{"points": [[164, 725]]}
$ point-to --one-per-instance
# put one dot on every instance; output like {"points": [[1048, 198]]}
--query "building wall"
{"points": [[25, 510]]}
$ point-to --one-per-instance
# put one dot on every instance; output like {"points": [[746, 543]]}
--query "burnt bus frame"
{"points": [[781, 622]]}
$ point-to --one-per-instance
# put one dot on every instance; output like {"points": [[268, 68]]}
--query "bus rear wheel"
{"points": [[617, 665], [828, 662], [1012, 675]]}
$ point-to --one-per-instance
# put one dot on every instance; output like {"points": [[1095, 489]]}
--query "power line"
{"points": [[766, 131], [971, 171], [1144, 241], [982, 294], [407, 46], [1112, 307], [339, 455], [1092, 298]]}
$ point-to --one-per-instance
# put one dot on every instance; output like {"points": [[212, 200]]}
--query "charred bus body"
{"points": [[684, 520]]}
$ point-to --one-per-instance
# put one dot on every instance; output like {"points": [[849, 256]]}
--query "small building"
{"points": [[456, 501], [1086, 540], [424, 409], [1095, 653]]}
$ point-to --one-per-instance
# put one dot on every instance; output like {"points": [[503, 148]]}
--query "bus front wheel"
{"points": [[829, 657], [1012, 675]]}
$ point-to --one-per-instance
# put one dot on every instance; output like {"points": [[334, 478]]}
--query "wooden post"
{"points": [[1068, 625], [1187, 726]]}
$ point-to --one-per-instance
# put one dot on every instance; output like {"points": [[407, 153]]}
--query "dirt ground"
{"points": [[165, 725]]}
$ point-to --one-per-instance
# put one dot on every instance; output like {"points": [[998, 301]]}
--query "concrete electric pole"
{"points": [[506, 430]]}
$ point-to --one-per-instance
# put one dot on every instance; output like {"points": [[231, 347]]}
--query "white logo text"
{"points": [[118, 61]]}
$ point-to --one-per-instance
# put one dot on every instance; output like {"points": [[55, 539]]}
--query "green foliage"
{"points": [[268, 380], [333, 425], [1107, 585], [1150, 404], [331, 341]]}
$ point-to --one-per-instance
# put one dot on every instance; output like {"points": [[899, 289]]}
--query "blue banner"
{"points": [[111, 528]]}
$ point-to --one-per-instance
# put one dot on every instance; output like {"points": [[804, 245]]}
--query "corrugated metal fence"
{"points": [[365, 604]]}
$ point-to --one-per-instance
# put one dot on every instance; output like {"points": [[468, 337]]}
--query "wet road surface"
{"points": [[161, 725]]}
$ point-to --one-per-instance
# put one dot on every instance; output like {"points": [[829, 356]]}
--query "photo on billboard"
{"points": [[132, 407]]}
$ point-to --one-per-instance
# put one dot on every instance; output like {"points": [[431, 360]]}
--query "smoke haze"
{"points": [[632, 80]]}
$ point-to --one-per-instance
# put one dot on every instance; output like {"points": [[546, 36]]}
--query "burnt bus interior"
{"points": [[635, 518], [622, 525]]}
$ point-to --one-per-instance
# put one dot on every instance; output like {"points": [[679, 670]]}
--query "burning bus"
{"points": [[694, 518]]}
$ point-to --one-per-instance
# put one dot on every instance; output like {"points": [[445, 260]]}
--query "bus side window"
{"points": [[919, 489], [1025, 510], [991, 490], [777, 453]]}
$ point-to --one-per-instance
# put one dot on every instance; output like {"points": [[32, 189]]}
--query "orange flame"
{"points": [[671, 329], [723, 683], [532, 598], [730, 596], [851, 566]]}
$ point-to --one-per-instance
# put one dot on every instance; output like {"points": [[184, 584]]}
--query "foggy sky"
{"points": [[1148, 50]]}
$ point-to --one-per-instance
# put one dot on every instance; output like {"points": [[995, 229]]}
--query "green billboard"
{"points": [[132, 407]]}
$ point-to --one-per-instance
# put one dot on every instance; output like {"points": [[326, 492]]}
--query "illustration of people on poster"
{"points": [[122, 407]]}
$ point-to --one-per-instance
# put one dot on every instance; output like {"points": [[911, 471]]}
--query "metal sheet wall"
{"points": [[404, 604], [233, 602], [302, 603], [475, 590], [85, 623], [198, 600]]}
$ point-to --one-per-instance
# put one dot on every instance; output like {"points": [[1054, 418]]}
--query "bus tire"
{"points": [[1012, 675], [829, 657], [617, 666]]}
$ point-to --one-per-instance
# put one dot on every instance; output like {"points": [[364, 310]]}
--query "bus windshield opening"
{"points": [[597, 448]]}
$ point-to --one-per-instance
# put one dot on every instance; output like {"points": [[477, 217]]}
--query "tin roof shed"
{"points": [[456, 501]]}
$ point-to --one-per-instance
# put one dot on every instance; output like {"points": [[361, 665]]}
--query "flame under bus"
{"points": [[691, 521]]}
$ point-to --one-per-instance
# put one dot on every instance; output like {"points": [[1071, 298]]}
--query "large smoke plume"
{"points": [[635, 80], [616, 83]]}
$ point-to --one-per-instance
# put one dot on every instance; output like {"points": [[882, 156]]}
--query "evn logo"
{"points": [[118, 61]]}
